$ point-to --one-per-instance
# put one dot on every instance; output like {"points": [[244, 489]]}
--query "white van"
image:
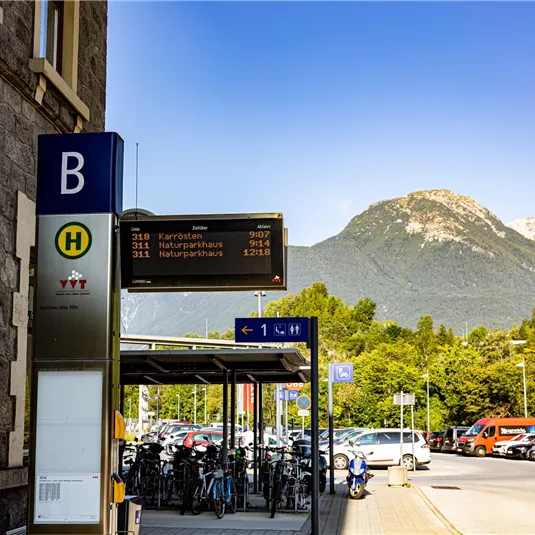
{"points": [[382, 448]]}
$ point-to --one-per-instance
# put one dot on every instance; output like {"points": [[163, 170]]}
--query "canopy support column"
{"points": [[225, 416]]}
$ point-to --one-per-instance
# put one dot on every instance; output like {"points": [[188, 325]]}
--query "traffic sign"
{"points": [[294, 386], [303, 402], [343, 372], [290, 395], [271, 329], [408, 399], [303, 412]]}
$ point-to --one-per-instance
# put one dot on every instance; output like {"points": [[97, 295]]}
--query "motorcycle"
{"points": [[358, 474]]}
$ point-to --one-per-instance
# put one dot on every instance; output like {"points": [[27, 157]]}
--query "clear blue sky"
{"points": [[318, 109]]}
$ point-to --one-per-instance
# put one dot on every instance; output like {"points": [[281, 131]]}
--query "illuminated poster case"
{"points": [[68, 447]]}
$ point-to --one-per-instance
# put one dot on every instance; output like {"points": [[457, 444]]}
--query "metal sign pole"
{"points": [[412, 435], [313, 341], [278, 415], [401, 431], [331, 430]]}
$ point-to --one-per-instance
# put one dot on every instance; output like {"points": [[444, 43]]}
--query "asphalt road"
{"points": [[493, 495]]}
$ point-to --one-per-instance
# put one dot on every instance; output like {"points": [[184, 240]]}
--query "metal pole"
{"points": [[313, 341], [303, 427], [428, 406], [331, 430], [278, 413], [255, 438], [205, 405], [225, 416], [195, 404], [158, 408], [178, 408], [525, 391], [233, 409], [412, 434], [286, 434], [401, 432]]}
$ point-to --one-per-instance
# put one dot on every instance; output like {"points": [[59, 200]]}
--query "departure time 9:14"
{"points": [[259, 243]]}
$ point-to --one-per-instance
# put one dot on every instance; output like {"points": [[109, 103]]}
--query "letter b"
{"points": [[65, 172]]}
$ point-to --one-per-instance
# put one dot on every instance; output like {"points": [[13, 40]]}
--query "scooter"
{"points": [[358, 475]]}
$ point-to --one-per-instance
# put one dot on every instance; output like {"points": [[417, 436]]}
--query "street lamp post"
{"points": [[205, 395], [195, 404], [178, 406], [523, 366], [426, 375], [260, 294]]}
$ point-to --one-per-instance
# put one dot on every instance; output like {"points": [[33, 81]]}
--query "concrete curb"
{"points": [[436, 511]]}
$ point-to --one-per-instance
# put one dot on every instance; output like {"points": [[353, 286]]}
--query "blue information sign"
{"points": [[271, 329], [290, 395], [80, 174], [343, 372]]}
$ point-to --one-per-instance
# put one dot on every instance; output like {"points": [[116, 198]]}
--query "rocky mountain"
{"points": [[526, 227], [430, 252]]}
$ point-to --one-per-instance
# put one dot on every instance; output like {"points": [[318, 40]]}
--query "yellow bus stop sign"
{"points": [[73, 240]]}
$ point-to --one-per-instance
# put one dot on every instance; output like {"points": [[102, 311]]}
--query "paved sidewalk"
{"points": [[484, 512], [382, 511]]}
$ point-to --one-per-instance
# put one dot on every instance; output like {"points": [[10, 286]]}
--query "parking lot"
{"points": [[492, 495]]}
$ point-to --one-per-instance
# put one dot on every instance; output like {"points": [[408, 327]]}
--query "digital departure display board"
{"points": [[203, 253]]}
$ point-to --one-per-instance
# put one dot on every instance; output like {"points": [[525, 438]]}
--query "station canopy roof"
{"points": [[200, 366]]}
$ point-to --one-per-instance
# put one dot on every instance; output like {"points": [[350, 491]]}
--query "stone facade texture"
{"points": [[22, 119]]}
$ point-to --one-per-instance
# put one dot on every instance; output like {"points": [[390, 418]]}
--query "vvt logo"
{"points": [[75, 279]]}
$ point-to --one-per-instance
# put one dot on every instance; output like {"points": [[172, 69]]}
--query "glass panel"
{"points": [[371, 438], [44, 20], [388, 438], [54, 21]]}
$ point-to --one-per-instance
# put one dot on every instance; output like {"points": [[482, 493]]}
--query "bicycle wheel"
{"points": [[218, 500], [232, 496], [274, 497], [194, 492]]}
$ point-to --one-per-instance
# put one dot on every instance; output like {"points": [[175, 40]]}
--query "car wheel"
{"points": [[531, 455], [340, 461], [480, 451], [408, 462]]}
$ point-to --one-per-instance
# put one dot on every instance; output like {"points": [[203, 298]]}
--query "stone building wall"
{"points": [[25, 112]]}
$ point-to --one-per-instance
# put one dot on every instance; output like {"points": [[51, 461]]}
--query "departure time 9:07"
{"points": [[259, 234]]}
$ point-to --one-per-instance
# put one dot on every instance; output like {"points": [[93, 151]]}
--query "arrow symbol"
{"points": [[246, 330]]}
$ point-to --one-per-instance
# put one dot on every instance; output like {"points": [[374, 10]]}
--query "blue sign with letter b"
{"points": [[80, 174]]}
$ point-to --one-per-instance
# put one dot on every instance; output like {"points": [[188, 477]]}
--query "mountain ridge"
{"points": [[429, 252]]}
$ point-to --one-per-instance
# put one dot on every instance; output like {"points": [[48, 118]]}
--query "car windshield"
{"points": [[475, 430]]}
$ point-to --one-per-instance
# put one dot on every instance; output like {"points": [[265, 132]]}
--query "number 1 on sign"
{"points": [[264, 329]]}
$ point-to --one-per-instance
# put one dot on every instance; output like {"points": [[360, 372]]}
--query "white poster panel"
{"points": [[68, 447]]}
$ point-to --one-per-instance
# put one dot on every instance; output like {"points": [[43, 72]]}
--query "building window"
{"points": [[52, 16], [55, 50]]}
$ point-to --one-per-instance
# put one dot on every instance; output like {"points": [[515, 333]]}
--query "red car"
{"points": [[199, 436]]}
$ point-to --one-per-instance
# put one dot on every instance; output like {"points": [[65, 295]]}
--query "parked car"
{"points": [[203, 437], [173, 429], [381, 447], [482, 436], [435, 440], [520, 451], [530, 454], [451, 436], [500, 447], [174, 440]]}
